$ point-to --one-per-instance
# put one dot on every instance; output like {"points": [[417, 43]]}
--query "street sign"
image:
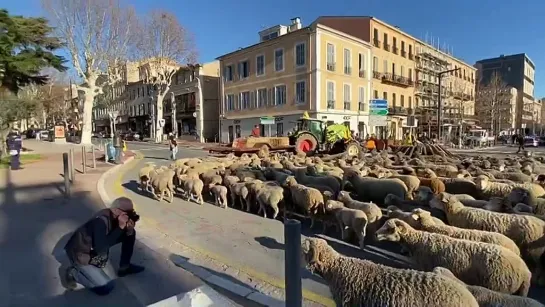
{"points": [[267, 120], [378, 111]]}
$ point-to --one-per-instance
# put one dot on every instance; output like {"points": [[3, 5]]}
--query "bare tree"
{"points": [[164, 46], [97, 34], [494, 100]]}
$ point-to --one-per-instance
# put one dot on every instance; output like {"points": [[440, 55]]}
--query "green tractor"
{"points": [[314, 135]]}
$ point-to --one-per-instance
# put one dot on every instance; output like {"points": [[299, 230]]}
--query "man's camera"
{"points": [[133, 216]]}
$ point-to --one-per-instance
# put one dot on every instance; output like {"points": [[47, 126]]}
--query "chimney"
{"points": [[295, 24]]}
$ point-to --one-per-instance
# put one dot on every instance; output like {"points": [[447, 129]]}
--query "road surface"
{"points": [[243, 242]]}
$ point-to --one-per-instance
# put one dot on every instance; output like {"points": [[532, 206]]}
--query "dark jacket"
{"points": [[95, 237], [520, 139]]}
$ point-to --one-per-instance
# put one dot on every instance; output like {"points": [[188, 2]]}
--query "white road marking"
{"points": [[151, 148]]}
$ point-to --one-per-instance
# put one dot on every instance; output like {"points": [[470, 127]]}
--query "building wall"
{"points": [[340, 71], [247, 124], [270, 79]]}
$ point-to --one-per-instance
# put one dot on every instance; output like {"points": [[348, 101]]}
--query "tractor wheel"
{"points": [[306, 144], [352, 149]]}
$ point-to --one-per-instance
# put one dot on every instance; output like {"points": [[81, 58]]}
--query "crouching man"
{"points": [[88, 248]]}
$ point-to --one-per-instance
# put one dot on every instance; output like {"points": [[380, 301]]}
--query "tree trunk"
{"points": [[87, 116], [159, 116]]}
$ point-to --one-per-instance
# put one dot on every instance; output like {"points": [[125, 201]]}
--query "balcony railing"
{"points": [[403, 53], [398, 111], [376, 74], [362, 74], [376, 42], [411, 56], [347, 70], [347, 105], [331, 104], [386, 46], [399, 80], [395, 50], [331, 66]]}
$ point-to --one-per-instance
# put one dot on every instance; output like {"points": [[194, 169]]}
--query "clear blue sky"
{"points": [[476, 29]]}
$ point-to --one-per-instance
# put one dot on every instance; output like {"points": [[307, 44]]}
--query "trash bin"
{"points": [[111, 151]]}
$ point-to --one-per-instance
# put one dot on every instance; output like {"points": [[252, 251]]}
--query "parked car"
{"points": [[131, 136], [531, 141]]}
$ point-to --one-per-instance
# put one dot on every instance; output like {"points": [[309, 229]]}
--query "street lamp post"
{"points": [[113, 116], [439, 101]]}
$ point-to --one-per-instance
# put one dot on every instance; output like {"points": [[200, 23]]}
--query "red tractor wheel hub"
{"points": [[305, 145]]}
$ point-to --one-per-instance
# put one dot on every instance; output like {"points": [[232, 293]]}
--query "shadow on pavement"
{"points": [[35, 223]]}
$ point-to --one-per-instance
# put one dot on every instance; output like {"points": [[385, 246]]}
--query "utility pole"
{"points": [[439, 101]]}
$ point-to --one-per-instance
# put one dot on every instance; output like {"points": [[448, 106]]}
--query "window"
{"points": [[402, 100], [260, 65], [229, 73], [362, 106], [361, 65], [410, 75], [243, 69], [402, 71], [330, 57], [330, 95], [230, 102], [375, 34], [410, 51], [261, 98], [402, 48], [393, 68], [347, 62], [347, 96], [385, 66], [410, 102], [279, 60], [385, 43], [394, 44], [279, 129], [237, 131], [375, 63], [279, 95], [300, 54], [394, 100], [300, 92], [384, 95], [375, 94]]}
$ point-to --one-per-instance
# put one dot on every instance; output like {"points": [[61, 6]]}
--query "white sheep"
{"points": [[193, 189], [220, 195], [269, 196], [498, 189], [425, 222], [489, 298], [310, 200], [375, 190], [349, 220], [524, 230], [163, 183], [357, 282], [476, 263]]}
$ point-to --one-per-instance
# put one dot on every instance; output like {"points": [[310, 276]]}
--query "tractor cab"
{"points": [[315, 127]]}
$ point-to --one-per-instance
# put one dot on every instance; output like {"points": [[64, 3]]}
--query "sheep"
{"points": [[269, 196], [489, 298], [349, 220], [357, 282], [220, 195], [495, 204], [308, 199], [412, 183], [525, 196], [373, 212], [498, 189], [329, 181], [425, 222], [193, 189], [143, 176], [395, 212], [239, 191], [163, 183], [522, 229], [476, 263], [435, 184], [375, 190]]}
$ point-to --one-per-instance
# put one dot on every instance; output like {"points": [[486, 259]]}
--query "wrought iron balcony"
{"points": [[395, 50], [386, 46], [362, 73], [403, 53], [398, 111], [376, 42], [397, 80]]}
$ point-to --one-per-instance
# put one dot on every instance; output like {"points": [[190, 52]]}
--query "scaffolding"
{"points": [[429, 62]]}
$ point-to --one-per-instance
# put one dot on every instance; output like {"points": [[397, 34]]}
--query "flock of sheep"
{"points": [[472, 227]]}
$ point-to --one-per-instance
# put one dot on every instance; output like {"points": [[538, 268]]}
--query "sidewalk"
{"points": [[181, 143], [35, 222]]}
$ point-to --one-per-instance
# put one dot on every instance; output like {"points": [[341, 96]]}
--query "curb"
{"points": [[205, 275]]}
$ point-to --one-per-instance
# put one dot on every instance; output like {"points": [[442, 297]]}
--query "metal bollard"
{"points": [[83, 162], [292, 261], [66, 173], [94, 156], [72, 173]]}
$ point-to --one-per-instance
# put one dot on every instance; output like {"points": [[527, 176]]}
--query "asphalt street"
{"points": [[244, 242]]}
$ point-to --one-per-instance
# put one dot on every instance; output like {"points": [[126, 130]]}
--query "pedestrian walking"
{"points": [[173, 145], [520, 141]]}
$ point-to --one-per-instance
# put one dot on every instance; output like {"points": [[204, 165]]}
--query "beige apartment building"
{"points": [[497, 111], [406, 74], [292, 70]]}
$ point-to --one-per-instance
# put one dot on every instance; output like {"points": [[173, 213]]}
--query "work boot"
{"points": [[131, 269]]}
